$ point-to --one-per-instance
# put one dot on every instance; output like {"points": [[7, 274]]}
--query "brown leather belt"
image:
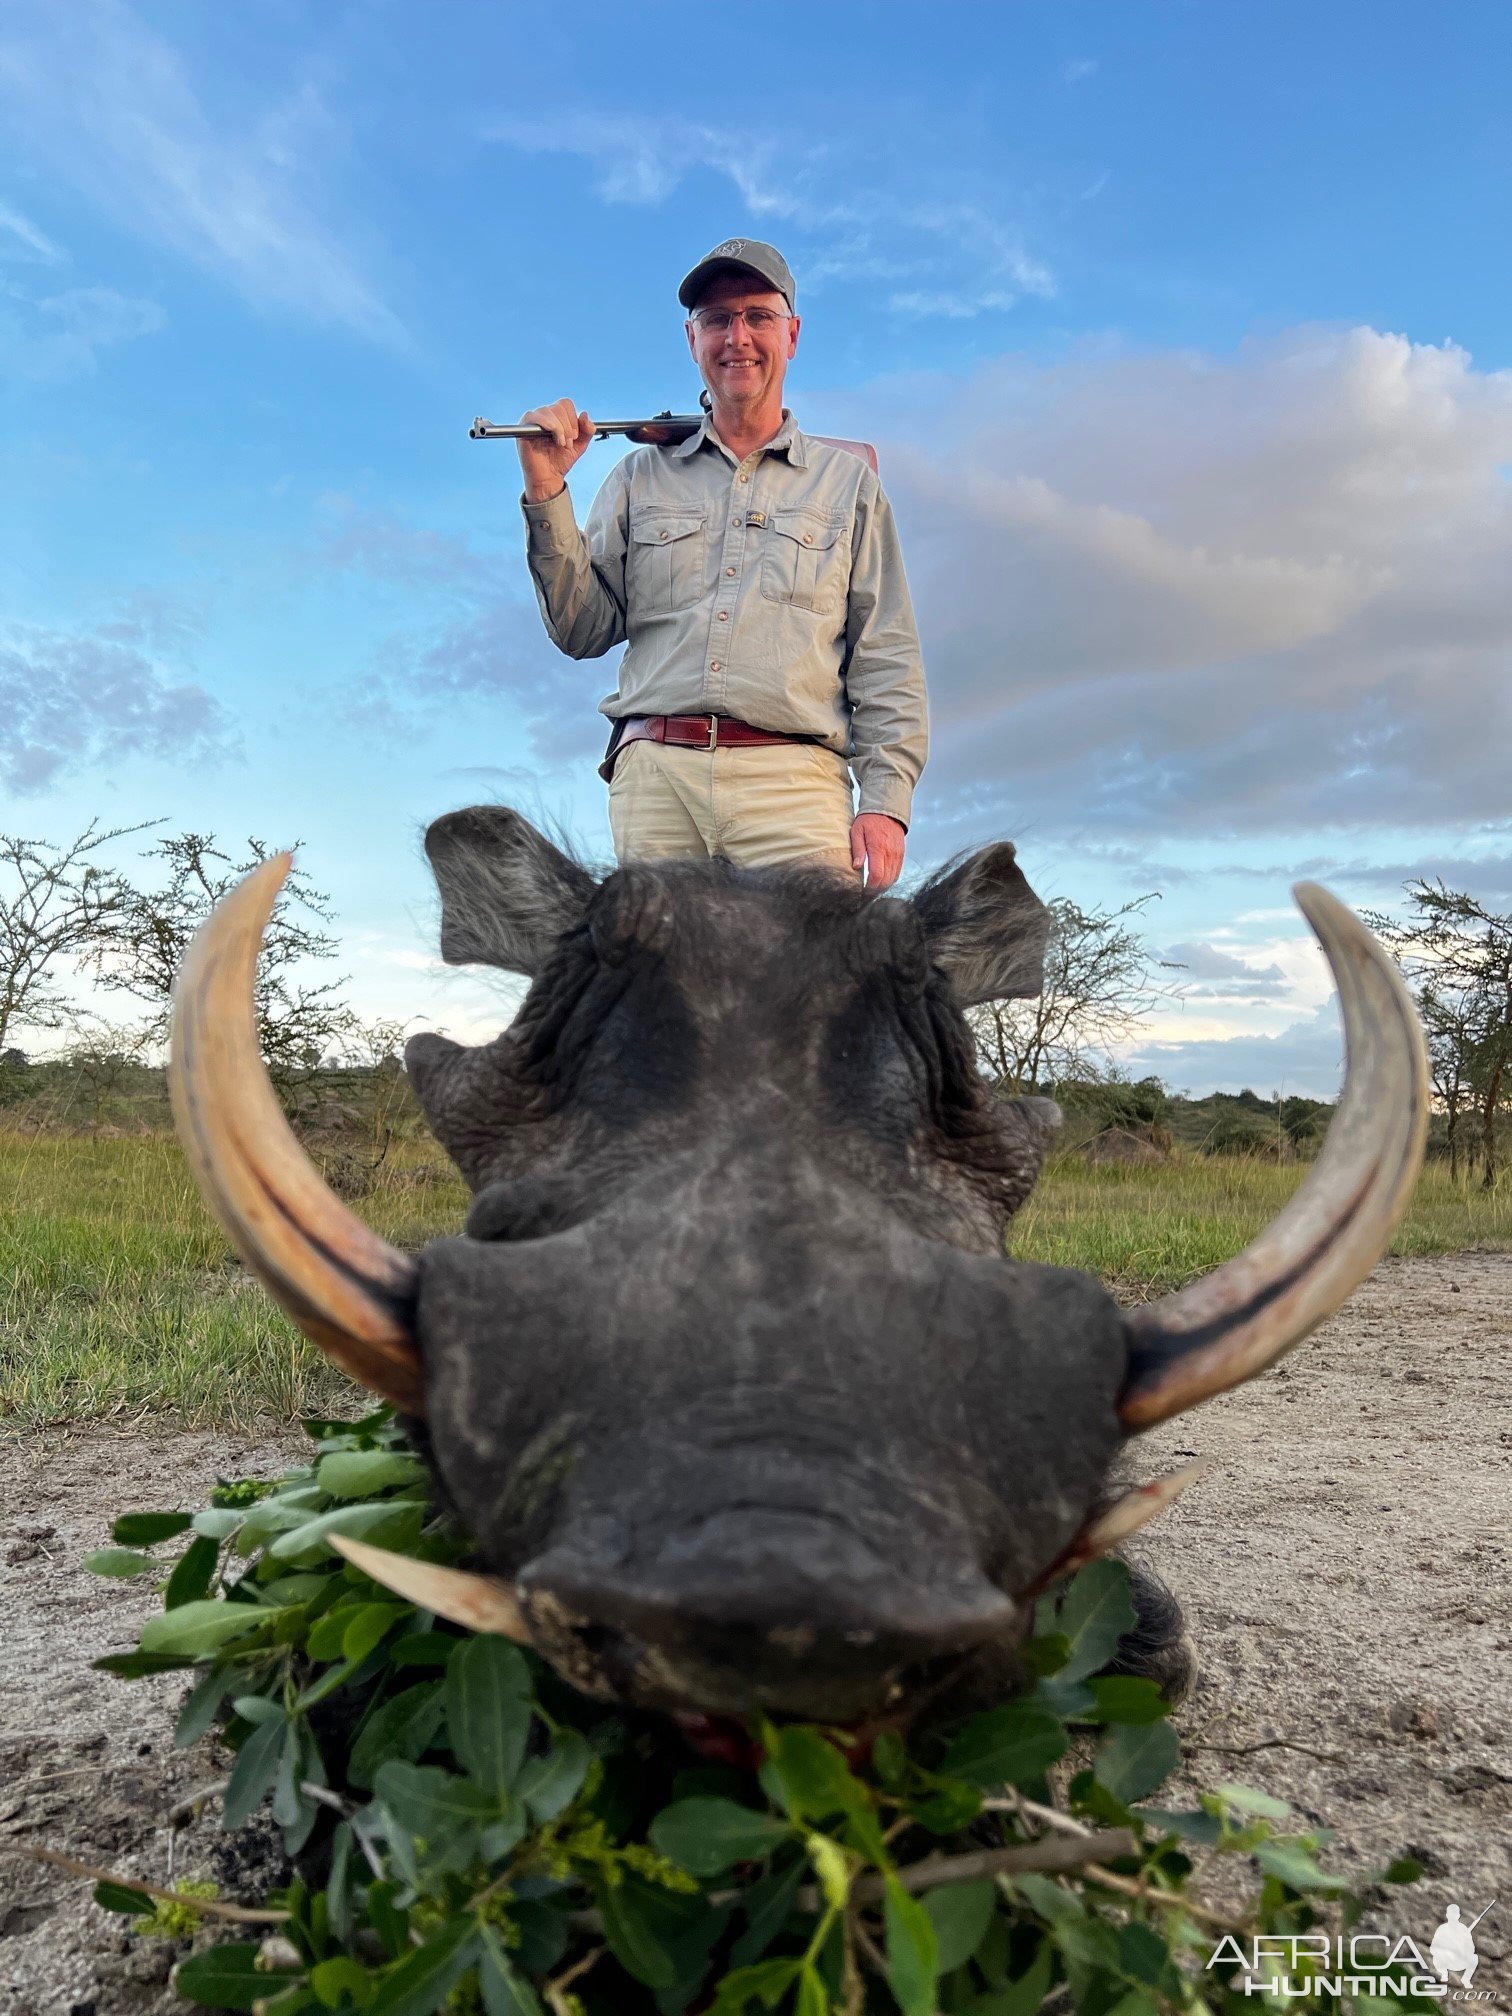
{"points": [[690, 731]]}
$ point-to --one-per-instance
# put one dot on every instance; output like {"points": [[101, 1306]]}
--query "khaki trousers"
{"points": [[784, 804]]}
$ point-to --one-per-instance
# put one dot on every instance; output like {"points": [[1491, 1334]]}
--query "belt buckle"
{"points": [[713, 741]]}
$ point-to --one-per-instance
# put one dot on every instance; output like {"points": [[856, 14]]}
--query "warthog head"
{"points": [[727, 1376]]}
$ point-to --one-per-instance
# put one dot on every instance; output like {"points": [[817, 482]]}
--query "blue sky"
{"points": [[1182, 332]]}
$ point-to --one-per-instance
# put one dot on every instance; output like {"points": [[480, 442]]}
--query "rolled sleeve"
{"points": [[579, 577], [884, 672]]}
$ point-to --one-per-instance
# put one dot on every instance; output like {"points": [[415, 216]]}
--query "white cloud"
{"points": [[21, 239], [108, 107], [962, 255], [1178, 594], [61, 335], [71, 698], [1306, 1058]]}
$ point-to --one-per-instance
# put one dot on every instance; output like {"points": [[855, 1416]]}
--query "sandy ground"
{"points": [[1346, 1570]]}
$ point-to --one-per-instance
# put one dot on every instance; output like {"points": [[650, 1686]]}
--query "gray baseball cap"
{"points": [[749, 254]]}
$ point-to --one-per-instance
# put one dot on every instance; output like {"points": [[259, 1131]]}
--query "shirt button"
{"points": [[713, 664], [729, 570], [808, 538], [745, 479], [724, 615], [734, 521], [664, 535]]}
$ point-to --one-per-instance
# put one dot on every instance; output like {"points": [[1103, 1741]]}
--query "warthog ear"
{"points": [[507, 894], [986, 928]]}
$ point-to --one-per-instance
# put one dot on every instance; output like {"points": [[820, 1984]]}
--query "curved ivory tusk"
{"points": [[476, 1602], [344, 1286], [1247, 1313], [1126, 1515]]}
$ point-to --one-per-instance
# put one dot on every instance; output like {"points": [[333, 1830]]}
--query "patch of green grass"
{"points": [[1145, 1228], [119, 1295]]}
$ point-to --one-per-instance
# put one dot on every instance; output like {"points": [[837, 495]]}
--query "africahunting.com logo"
{"points": [[1360, 1963]]}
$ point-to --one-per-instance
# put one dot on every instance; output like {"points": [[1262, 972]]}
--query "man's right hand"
{"points": [[546, 458]]}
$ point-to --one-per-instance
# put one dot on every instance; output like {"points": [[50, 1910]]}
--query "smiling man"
{"points": [[755, 575]]}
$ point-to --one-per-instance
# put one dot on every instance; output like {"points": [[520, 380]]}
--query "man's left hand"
{"points": [[877, 843]]}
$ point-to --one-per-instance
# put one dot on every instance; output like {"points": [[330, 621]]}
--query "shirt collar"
{"points": [[789, 440]]}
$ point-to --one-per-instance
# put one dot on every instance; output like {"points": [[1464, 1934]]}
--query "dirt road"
{"points": [[1346, 1568]]}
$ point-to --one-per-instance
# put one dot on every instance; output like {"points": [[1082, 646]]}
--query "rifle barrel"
{"points": [[659, 426]]}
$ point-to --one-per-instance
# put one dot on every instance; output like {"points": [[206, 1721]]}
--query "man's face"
{"points": [[742, 366]]}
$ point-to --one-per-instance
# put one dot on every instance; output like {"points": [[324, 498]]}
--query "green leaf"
{"points": [[768, 1906], [404, 1728], [814, 1776], [1046, 1654], [274, 1515], [423, 1648], [259, 1708], [203, 1705], [1094, 1614], [913, 1955], [488, 1708], [1245, 1799], [363, 1473], [708, 1836], [549, 1784], [504, 1992], [196, 1629], [253, 1773], [390, 1523], [1134, 1758], [436, 1807], [192, 1577], [634, 1939], [1206, 1829], [1144, 1956], [341, 1978], [423, 1979], [225, 1977], [813, 1996], [767, 1982], [1406, 1869], [145, 1529], [832, 1869], [1138, 2002], [1027, 1995], [117, 1897], [218, 1522], [1293, 1866], [120, 1562], [368, 1628], [960, 1914], [1120, 1697], [1008, 1745], [139, 1665]]}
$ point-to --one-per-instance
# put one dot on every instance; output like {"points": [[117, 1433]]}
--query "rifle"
{"points": [[662, 430]]}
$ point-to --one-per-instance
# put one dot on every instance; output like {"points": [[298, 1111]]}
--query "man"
{"points": [[756, 576]]}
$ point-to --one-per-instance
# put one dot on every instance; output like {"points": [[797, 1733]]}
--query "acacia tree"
{"points": [[1098, 983], [54, 904], [141, 945], [1457, 954]]}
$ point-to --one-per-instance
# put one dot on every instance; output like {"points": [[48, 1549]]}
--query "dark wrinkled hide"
{"points": [[728, 1368]]}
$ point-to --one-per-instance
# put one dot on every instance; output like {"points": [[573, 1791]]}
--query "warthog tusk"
{"points": [[349, 1291], [1114, 1523], [476, 1602], [1246, 1314]]}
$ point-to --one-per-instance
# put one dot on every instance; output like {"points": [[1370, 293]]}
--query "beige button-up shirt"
{"points": [[770, 590]]}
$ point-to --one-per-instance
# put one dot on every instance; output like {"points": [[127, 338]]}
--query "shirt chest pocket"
{"points": [[666, 562], [805, 560]]}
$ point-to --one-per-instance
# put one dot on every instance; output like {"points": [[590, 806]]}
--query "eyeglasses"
{"points": [[718, 321]]}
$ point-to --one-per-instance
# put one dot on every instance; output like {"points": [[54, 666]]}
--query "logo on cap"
{"points": [[731, 245]]}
